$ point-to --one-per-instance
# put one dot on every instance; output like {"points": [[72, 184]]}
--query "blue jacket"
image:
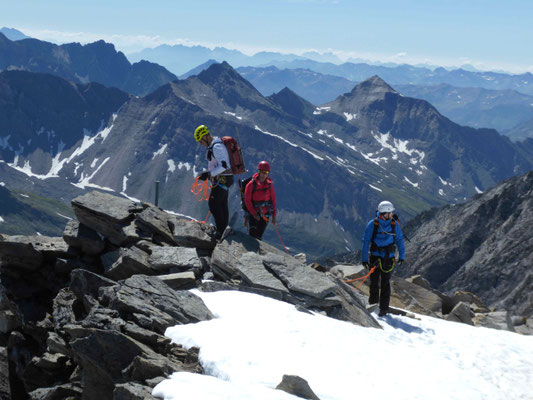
{"points": [[383, 239]]}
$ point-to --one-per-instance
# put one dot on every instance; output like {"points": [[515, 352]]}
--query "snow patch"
{"points": [[478, 190], [290, 143], [232, 114], [411, 183], [349, 116], [160, 151], [375, 188], [398, 146]]}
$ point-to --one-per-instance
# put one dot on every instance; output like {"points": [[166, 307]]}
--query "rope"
{"points": [[201, 190], [280, 239], [364, 278]]}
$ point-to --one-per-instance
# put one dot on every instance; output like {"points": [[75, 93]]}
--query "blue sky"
{"points": [[489, 34]]}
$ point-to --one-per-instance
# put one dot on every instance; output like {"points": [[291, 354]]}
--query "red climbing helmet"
{"points": [[263, 166]]}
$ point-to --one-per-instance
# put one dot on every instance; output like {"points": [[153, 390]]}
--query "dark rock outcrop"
{"points": [[84, 316]]}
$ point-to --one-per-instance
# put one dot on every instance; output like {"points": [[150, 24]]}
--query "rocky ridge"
{"points": [[84, 315]]}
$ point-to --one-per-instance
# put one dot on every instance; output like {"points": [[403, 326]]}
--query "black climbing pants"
{"points": [[218, 202], [256, 228], [380, 280]]}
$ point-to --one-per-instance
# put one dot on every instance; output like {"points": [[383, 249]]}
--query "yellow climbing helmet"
{"points": [[200, 132]]}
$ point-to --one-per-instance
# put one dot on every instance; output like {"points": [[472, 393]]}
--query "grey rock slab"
{"points": [[132, 391], [348, 271], [106, 214], [191, 233], [253, 272], [416, 298], [104, 356], [299, 277], [155, 220], [228, 253], [125, 262], [64, 391], [352, 307], [112, 208], [177, 258], [17, 251], [496, 319], [154, 304], [461, 313], [83, 282], [84, 238], [179, 280]]}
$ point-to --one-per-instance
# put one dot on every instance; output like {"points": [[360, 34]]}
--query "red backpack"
{"points": [[235, 155]]}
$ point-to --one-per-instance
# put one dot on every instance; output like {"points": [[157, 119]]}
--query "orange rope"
{"points": [[363, 278], [201, 190], [280, 239]]}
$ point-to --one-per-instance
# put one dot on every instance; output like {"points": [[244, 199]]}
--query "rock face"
{"points": [[484, 246], [84, 316]]}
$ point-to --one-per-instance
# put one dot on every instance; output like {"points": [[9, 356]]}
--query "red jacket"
{"points": [[264, 192]]}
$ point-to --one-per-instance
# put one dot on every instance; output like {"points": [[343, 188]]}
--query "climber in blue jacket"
{"points": [[382, 235]]}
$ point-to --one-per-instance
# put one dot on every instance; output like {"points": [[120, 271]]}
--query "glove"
{"points": [[204, 175], [400, 262], [274, 220], [366, 265]]}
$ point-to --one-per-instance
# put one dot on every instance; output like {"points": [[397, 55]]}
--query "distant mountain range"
{"points": [[179, 59], [13, 34], [503, 110], [476, 107], [95, 62], [331, 164]]}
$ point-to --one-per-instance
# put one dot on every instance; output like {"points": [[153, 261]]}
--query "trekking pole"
{"points": [[156, 193]]}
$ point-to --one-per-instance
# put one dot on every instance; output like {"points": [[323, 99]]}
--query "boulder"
{"points": [[415, 298], [348, 271], [495, 319], [461, 313], [297, 386]]}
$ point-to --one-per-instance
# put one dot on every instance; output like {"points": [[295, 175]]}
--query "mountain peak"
{"points": [[291, 103], [373, 85], [220, 74]]}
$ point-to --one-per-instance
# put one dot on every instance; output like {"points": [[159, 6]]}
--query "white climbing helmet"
{"points": [[385, 207]]}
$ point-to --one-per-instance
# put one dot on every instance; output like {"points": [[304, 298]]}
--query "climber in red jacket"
{"points": [[260, 200]]}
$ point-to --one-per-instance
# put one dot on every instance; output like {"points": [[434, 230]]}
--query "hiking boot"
{"points": [[382, 313]]}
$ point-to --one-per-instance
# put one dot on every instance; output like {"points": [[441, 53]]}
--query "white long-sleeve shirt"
{"points": [[218, 158]]}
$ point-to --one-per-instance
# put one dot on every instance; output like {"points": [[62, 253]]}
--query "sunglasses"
{"points": [[263, 171]]}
